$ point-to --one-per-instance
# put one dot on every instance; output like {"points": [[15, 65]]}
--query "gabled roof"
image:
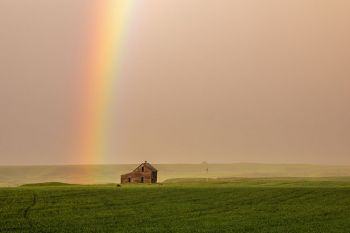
{"points": [[146, 164]]}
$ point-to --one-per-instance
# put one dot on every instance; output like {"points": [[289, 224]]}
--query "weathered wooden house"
{"points": [[145, 173]]}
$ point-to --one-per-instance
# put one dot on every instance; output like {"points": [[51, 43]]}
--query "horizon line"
{"points": [[177, 163]]}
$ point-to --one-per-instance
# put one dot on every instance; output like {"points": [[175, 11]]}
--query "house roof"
{"points": [[146, 164]]}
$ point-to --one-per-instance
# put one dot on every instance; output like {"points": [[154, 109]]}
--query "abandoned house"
{"points": [[145, 173]]}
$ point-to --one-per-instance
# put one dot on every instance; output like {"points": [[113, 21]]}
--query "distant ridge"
{"points": [[46, 184], [91, 174]]}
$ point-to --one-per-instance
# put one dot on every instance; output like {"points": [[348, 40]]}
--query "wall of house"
{"points": [[148, 175]]}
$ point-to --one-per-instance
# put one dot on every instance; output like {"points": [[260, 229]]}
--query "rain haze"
{"points": [[218, 81]]}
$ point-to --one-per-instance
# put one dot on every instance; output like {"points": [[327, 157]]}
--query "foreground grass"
{"points": [[259, 205]]}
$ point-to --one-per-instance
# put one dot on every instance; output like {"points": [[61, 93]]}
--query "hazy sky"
{"points": [[203, 80]]}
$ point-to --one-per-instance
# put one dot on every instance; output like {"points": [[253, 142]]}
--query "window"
{"points": [[141, 179], [143, 169]]}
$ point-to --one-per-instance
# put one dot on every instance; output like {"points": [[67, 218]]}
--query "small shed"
{"points": [[144, 173]]}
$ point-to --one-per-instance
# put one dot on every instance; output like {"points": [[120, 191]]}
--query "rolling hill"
{"points": [[88, 174]]}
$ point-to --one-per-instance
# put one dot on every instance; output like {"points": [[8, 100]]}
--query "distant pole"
{"points": [[207, 174]]}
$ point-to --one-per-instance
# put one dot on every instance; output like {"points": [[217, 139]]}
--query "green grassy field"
{"points": [[223, 205]]}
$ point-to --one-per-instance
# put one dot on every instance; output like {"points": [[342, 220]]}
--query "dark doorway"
{"points": [[129, 180], [141, 179]]}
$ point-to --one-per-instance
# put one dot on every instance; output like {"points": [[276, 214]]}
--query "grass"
{"points": [[236, 205]]}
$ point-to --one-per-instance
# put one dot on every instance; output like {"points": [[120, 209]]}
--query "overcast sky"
{"points": [[203, 80]]}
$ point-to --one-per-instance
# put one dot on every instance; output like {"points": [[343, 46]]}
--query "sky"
{"points": [[219, 81]]}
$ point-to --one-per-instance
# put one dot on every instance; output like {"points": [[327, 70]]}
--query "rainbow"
{"points": [[102, 70]]}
